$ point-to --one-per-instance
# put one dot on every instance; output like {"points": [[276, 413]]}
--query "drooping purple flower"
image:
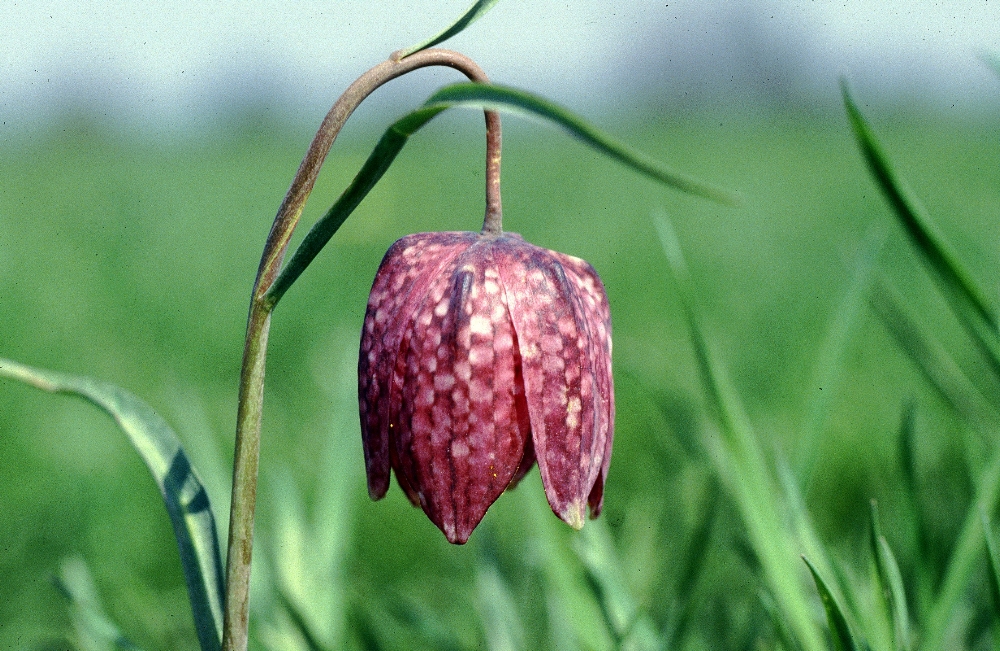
{"points": [[481, 353]]}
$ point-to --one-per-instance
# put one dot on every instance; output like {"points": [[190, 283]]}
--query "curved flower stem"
{"points": [[251, 392]]}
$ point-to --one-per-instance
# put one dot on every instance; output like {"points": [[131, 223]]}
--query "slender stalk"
{"points": [[493, 222], [251, 392]]}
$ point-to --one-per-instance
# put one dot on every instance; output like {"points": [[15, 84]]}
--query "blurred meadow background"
{"points": [[144, 150]]}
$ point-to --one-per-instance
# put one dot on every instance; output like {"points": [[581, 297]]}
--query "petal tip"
{"points": [[377, 488], [574, 514], [456, 535]]}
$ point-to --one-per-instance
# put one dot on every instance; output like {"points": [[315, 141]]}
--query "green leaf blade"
{"points": [[471, 15], [95, 631], [931, 245], [371, 172], [480, 96], [743, 465], [890, 581], [504, 98], [965, 553], [840, 632], [994, 564], [498, 611], [184, 496], [936, 363]]}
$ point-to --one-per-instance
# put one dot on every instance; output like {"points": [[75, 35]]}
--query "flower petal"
{"points": [[563, 331], [408, 267], [459, 439], [597, 317]]}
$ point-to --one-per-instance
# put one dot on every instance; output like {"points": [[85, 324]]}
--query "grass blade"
{"points": [[890, 581], [908, 447], [471, 15], [630, 627], [920, 575], [503, 98], [963, 558], [994, 564], [94, 630], [828, 370], [470, 95], [840, 632], [299, 622], [183, 494], [932, 359], [957, 286], [778, 622], [693, 563], [958, 392], [742, 464], [575, 616], [934, 249], [307, 545], [501, 623], [808, 540]]}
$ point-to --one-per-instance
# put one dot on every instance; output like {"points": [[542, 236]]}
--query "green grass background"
{"points": [[130, 258]]}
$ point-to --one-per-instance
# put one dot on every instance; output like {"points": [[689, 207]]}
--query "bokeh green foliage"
{"points": [[131, 259]]}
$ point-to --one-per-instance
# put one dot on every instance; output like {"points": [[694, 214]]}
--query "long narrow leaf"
{"points": [[371, 172], [471, 15], [94, 630], [937, 365], [742, 463], [840, 632], [890, 581], [994, 564], [504, 98], [630, 627], [962, 561], [967, 301], [183, 494], [575, 616], [907, 449], [828, 370], [808, 539], [497, 610], [470, 95], [917, 223], [305, 547], [692, 564], [781, 630], [299, 622]]}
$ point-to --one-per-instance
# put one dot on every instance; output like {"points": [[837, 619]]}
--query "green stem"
{"points": [[244, 498], [251, 392]]}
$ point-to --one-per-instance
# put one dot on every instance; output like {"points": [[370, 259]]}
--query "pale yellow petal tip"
{"points": [[574, 515]]}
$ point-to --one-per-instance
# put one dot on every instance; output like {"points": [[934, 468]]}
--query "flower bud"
{"points": [[481, 353]]}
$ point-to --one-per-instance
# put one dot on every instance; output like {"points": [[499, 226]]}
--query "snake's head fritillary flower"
{"points": [[481, 353]]}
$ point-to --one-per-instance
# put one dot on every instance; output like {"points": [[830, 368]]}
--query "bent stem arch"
{"points": [[251, 391]]}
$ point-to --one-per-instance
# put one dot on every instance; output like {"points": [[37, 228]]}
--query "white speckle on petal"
{"points": [[459, 449], [480, 325], [463, 370], [573, 412], [479, 392], [443, 382]]}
